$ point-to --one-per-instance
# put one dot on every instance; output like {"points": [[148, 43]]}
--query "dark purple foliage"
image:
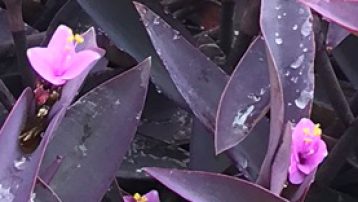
{"points": [[202, 186], [92, 154], [290, 47], [245, 100], [197, 78]]}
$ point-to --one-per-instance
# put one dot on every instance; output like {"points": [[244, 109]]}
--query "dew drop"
{"points": [[156, 21], [306, 28], [277, 34], [304, 98], [278, 41], [305, 50], [294, 79], [83, 149], [33, 196], [241, 117], [287, 73], [253, 97], [176, 35], [262, 91], [298, 62], [278, 7], [284, 14], [261, 59], [236, 33], [295, 27], [301, 11], [5, 194], [19, 165], [279, 16], [289, 104]]}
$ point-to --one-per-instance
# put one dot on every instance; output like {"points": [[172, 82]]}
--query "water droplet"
{"points": [[5, 194], [277, 34], [261, 59], [33, 196], [289, 104], [253, 97], [278, 7], [305, 50], [301, 11], [156, 21], [78, 166], [83, 149], [305, 97], [298, 62], [158, 89], [295, 27], [19, 165], [262, 91], [279, 16], [306, 28], [278, 41], [284, 14], [118, 102], [241, 117], [287, 73], [301, 45], [236, 33], [176, 35], [294, 79]]}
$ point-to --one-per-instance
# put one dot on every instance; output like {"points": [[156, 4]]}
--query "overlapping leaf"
{"points": [[335, 35], [245, 99], [342, 12], [96, 134], [203, 187], [198, 79], [287, 29], [120, 21], [18, 171]]}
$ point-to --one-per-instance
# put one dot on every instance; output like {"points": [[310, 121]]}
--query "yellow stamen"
{"points": [[317, 131], [138, 198], [78, 38], [306, 131], [71, 38]]}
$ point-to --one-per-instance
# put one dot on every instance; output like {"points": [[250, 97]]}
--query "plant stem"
{"points": [[226, 28], [248, 28]]}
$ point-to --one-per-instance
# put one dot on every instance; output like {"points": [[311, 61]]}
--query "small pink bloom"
{"points": [[307, 150], [59, 61], [151, 196]]}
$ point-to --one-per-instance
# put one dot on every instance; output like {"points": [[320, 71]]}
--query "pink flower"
{"points": [[59, 61], [307, 150], [151, 196]]}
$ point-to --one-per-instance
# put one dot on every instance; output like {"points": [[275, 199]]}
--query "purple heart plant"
{"points": [[254, 75]]}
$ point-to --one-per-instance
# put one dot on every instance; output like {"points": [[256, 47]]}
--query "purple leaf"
{"points": [[342, 12], [96, 134], [130, 36], [287, 29], [198, 79], [245, 99], [18, 172], [72, 87], [335, 35], [281, 162], [303, 188], [203, 186]]}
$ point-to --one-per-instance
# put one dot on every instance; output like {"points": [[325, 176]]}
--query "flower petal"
{"points": [[152, 196], [41, 60], [320, 153], [128, 199], [79, 62], [296, 177], [60, 38]]}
